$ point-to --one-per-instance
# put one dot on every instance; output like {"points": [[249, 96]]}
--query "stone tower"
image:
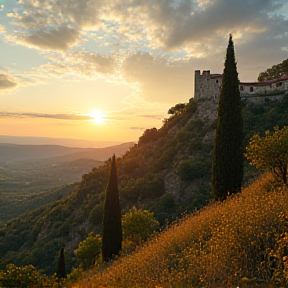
{"points": [[207, 86]]}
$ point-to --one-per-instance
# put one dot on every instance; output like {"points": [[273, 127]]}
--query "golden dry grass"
{"points": [[240, 242]]}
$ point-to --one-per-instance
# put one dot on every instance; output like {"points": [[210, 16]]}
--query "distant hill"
{"points": [[167, 172], [12, 152], [24, 140]]}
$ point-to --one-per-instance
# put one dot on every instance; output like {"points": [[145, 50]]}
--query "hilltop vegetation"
{"points": [[168, 172], [276, 71], [240, 242]]}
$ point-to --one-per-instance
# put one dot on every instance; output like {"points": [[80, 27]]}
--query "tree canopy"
{"points": [[274, 72], [270, 152], [89, 250]]}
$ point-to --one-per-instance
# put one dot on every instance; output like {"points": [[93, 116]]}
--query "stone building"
{"points": [[208, 86]]}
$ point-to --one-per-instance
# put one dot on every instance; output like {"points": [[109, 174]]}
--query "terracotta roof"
{"points": [[264, 83]]}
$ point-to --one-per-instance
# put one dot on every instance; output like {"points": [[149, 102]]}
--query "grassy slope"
{"points": [[239, 242]]}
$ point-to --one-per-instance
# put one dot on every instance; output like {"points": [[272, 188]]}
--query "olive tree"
{"points": [[270, 152], [89, 250]]}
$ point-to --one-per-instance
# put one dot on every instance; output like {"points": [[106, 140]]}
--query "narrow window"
{"points": [[241, 88], [251, 89], [217, 81]]}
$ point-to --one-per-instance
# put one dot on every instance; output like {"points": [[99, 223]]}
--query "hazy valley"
{"points": [[30, 174]]}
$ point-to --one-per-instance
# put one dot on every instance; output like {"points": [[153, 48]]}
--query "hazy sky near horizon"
{"points": [[129, 59]]}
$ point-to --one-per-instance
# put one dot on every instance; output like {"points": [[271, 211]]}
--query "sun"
{"points": [[98, 116]]}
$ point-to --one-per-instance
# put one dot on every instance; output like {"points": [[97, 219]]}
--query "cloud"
{"points": [[7, 83], [80, 64], [59, 39], [169, 24], [160, 78], [84, 13], [89, 63], [137, 128], [220, 17], [47, 116], [157, 117], [2, 29], [193, 29]]}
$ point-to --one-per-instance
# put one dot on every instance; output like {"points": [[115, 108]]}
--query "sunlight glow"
{"points": [[98, 116]]}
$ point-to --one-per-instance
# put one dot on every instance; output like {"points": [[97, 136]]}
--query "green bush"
{"points": [[89, 250], [137, 225]]}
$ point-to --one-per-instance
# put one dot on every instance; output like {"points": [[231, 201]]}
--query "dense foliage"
{"points": [[274, 72], [112, 226], [270, 152], [227, 168]]}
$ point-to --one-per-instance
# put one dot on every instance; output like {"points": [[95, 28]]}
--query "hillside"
{"points": [[168, 172], [242, 242]]}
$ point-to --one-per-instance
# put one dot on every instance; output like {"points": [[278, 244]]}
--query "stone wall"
{"points": [[262, 99], [208, 86]]}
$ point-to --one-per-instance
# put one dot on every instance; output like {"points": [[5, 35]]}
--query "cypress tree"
{"points": [[112, 228], [227, 167], [61, 269]]}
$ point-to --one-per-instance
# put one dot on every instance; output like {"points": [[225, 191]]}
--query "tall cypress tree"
{"points": [[227, 167], [61, 268], [112, 228]]}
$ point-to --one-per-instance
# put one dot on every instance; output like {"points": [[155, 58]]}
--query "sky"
{"points": [[107, 70]]}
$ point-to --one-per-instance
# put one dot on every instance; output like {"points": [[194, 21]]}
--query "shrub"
{"points": [[138, 225], [25, 277], [89, 250]]}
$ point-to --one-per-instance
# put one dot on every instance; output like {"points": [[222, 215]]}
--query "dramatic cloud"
{"points": [[6, 83], [222, 17], [56, 39], [169, 24], [172, 36]]}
